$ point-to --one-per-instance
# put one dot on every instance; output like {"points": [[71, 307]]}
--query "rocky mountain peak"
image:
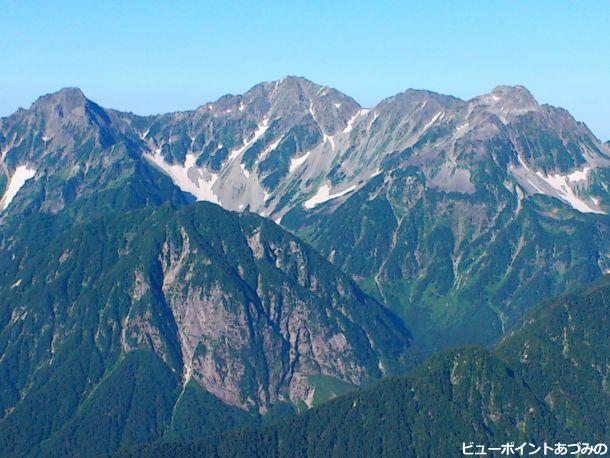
{"points": [[297, 82], [296, 88], [294, 97], [58, 136], [289, 88], [517, 94], [506, 102], [415, 100], [67, 99], [68, 107]]}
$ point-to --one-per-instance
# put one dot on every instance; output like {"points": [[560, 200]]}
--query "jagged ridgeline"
{"points": [[547, 381]]}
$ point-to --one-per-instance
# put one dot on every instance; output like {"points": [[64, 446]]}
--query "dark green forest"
{"points": [[546, 381]]}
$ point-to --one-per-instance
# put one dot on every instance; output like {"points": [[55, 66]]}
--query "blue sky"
{"points": [[158, 56]]}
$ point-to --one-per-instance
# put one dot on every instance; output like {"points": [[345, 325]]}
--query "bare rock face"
{"points": [[255, 312], [256, 346]]}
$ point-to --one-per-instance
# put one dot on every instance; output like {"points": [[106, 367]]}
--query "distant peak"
{"points": [[288, 86], [71, 92], [507, 88], [68, 97], [69, 105], [417, 99], [297, 89], [507, 102], [293, 79], [425, 94], [517, 94], [295, 85]]}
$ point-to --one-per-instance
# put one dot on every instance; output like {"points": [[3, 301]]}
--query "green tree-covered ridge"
{"points": [[546, 381], [459, 268]]}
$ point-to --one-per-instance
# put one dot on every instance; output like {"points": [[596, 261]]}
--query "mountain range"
{"points": [[458, 215], [335, 245], [292, 145]]}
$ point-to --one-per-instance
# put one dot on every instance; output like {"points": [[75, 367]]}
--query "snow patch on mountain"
{"points": [[352, 121], [311, 112], [462, 129], [22, 174], [376, 172], [561, 183], [260, 131], [297, 161], [435, 118], [329, 139], [323, 194], [188, 177], [578, 175], [269, 148], [556, 185]]}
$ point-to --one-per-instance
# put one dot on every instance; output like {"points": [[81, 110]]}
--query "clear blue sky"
{"points": [[158, 56]]}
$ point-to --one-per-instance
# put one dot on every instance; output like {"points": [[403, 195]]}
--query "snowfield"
{"points": [[323, 195], [188, 177], [22, 174], [556, 185]]}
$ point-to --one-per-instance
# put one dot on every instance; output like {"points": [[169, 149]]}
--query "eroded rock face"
{"points": [[256, 312], [256, 347]]}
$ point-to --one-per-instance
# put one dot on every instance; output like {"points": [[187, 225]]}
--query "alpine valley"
{"points": [[169, 278]]}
